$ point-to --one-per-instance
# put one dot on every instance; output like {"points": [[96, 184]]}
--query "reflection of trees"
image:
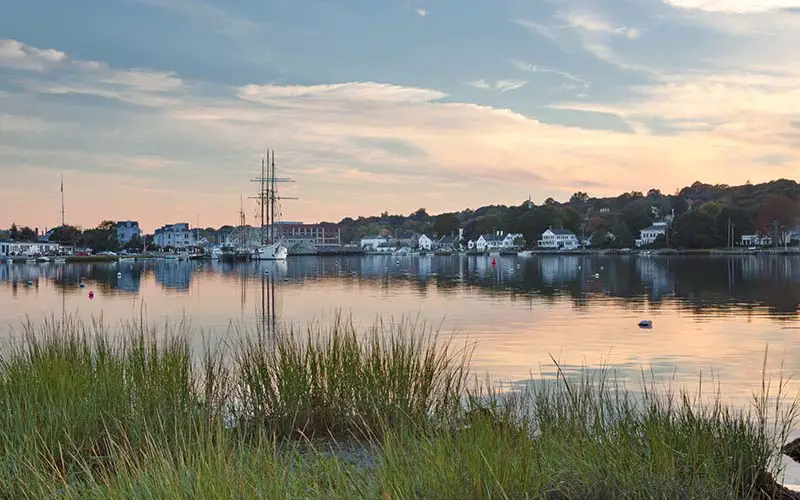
{"points": [[721, 285]]}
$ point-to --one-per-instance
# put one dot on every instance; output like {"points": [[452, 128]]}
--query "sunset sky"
{"points": [[160, 110]]}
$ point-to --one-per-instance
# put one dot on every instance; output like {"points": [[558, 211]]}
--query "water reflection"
{"points": [[696, 284]]}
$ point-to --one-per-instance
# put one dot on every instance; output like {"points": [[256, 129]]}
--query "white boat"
{"points": [[60, 260], [274, 251], [42, 259], [216, 253]]}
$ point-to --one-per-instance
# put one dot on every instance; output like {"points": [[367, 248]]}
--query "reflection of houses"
{"points": [[562, 268], [176, 275], [175, 236], [14, 248], [127, 230], [649, 235], [654, 272], [558, 238]]}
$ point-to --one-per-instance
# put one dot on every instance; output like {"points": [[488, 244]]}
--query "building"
{"points": [[649, 235], [127, 230], [373, 242], [174, 236], [28, 248], [756, 240], [320, 234], [556, 239], [424, 243], [450, 243]]}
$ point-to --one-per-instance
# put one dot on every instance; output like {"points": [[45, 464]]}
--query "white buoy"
{"points": [[596, 275], [119, 275]]}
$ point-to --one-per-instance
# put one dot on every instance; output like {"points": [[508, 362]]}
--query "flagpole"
{"points": [[62, 200]]}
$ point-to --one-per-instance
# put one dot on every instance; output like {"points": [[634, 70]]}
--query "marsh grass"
{"points": [[86, 412]]}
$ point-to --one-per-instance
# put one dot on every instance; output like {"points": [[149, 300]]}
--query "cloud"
{"points": [[422, 12], [589, 21], [363, 147], [532, 68], [736, 6], [15, 54], [499, 85]]}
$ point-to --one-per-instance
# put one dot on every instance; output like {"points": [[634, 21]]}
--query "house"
{"points": [[449, 243], [424, 243], [493, 242], [322, 234], [373, 242], [175, 236], [558, 239], [127, 230], [511, 239], [756, 240], [28, 248], [479, 244], [649, 235]]}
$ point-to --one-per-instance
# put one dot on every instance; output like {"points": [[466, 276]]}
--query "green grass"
{"points": [[86, 412]]}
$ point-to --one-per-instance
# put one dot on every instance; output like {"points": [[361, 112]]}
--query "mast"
{"points": [[261, 195], [62, 200], [272, 200]]}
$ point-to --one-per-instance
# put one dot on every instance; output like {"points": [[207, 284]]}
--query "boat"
{"points": [[42, 259], [271, 246], [231, 253]]}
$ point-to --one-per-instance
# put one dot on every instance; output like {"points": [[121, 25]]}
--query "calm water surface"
{"points": [[709, 314]]}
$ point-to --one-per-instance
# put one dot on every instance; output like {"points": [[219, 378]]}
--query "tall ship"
{"points": [[271, 245]]}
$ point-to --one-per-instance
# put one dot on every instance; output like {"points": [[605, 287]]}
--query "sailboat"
{"points": [[271, 247]]}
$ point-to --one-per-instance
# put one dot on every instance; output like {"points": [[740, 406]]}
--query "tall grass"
{"points": [[337, 381], [90, 413]]}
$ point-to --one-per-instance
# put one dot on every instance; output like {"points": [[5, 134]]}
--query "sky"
{"points": [[161, 110]]}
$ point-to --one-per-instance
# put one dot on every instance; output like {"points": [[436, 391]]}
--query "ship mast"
{"points": [[268, 197]]}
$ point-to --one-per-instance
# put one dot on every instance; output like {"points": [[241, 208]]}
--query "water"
{"points": [[710, 314]]}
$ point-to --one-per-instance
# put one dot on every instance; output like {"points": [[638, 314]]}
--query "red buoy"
{"points": [[91, 295], [494, 262]]}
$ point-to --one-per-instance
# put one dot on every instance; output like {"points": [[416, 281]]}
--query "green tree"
{"points": [[134, 244], [13, 232], [696, 229], [446, 224], [638, 215], [66, 235], [580, 198], [26, 234]]}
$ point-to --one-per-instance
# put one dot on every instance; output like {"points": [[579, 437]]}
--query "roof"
{"points": [[493, 237], [448, 239], [563, 232], [375, 237], [656, 227]]}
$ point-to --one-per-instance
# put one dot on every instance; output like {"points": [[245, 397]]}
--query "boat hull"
{"points": [[275, 251]]}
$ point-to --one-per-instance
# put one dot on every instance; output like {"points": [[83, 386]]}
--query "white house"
{"points": [[493, 241], [448, 243], [558, 238], [127, 230], [424, 243], [649, 235], [510, 238], [175, 236], [756, 240], [27, 248], [374, 242]]}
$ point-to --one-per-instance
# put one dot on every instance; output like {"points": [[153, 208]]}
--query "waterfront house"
{"points": [[756, 240], [373, 242], [424, 243], [174, 236], [555, 239], [127, 230], [448, 243], [649, 235], [28, 248], [513, 240]]}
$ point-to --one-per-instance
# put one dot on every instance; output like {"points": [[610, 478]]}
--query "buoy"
{"points": [[30, 282], [645, 323], [119, 275], [91, 294], [82, 285], [602, 268], [596, 275], [580, 267], [494, 262], [266, 271]]}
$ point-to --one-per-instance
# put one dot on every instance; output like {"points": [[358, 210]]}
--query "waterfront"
{"points": [[709, 313]]}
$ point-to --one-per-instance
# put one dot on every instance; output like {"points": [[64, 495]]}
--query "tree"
{"points": [[696, 229], [638, 215], [65, 235], [420, 215], [134, 244], [446, 224], [778, 210], [13, 231], [580, 198], [27, 234], [654, 193]]}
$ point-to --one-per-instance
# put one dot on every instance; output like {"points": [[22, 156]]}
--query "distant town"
{"points": [[698, 217]]}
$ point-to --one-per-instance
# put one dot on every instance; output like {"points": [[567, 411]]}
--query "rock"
{"points": [[792, 450], [768, 489]]}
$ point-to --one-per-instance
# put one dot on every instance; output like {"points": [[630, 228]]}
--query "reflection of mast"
{"points": [[268, 316]]}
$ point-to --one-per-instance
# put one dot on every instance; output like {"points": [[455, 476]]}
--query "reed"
{"points": [[92, 412]]}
